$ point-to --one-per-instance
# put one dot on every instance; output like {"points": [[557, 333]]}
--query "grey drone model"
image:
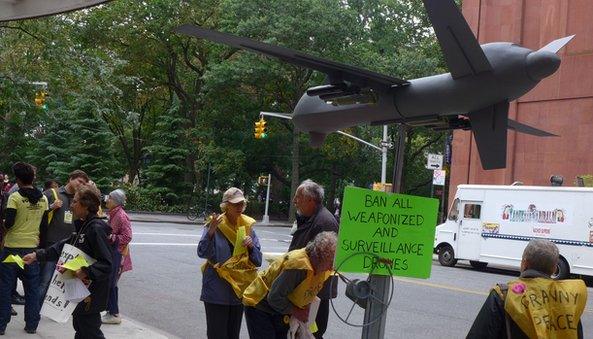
{"points": [[474, 96]]}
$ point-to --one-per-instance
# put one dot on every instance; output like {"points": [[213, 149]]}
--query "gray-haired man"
{"points": [[312, 219], [533, 306]]}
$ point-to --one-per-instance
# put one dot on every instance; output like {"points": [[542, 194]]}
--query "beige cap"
{"points": [[233, 195]]}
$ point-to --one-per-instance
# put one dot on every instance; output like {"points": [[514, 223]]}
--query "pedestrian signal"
{"points": [[260, 129]]}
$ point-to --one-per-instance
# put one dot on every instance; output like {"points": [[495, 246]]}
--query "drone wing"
{"points": [[334, 70], [462, 52]]}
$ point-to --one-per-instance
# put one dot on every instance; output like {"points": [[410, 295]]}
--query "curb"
{"points": [[200, 222], [189, 222]]}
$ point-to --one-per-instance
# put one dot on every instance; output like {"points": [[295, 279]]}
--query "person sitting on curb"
{"points": [[288, 287], [533, 306]]}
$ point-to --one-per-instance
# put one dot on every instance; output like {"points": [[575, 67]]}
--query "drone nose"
{"points": [[541, 64]]}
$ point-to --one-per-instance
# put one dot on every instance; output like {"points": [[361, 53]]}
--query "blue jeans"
{"points": [[112, 302], [47, 271], [30, 278]]}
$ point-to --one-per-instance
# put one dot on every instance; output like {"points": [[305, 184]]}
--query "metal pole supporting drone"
{"points": [[380, 284], [384, 155]]}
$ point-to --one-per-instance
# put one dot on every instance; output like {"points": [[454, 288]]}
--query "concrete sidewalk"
{"points": [[129, 329], [182, 219]]}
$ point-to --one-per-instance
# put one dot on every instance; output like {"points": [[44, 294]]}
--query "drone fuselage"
{"points": [[424, 101]]}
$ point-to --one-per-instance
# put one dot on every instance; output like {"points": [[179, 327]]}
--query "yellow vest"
{"points": [[25, 231], [302, 295], [546, 308], [238, 270], [50, 214]]}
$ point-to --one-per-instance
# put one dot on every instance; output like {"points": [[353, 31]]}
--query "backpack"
{"points": [[502, 293]]}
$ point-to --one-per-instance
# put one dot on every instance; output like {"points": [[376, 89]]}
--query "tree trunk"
{"points": [[294, 183]]}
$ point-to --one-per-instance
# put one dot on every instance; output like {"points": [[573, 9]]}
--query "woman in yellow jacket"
{"points": [[288, 287], [232, 252]]}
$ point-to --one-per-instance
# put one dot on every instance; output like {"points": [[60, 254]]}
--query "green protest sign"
{"points": [[397, 228]]}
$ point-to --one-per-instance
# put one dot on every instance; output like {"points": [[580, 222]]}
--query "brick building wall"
{"points": [[561, 104]]}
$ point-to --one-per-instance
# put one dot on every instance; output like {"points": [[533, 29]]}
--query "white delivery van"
{"points": [[490, 224]]}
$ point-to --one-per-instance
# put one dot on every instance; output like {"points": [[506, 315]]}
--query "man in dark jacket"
{"points": [[60, 223], [91, 237], [528, 307], [312, 219]]}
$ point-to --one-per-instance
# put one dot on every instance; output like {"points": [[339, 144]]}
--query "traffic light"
{"points": [[40, 99], [260, 129]]}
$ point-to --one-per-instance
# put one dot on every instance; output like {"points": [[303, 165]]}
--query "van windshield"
{"points": [[454, 210]]}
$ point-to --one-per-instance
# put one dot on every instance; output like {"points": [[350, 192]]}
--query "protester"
{"points": [[91, 237], [60, 224], [233, 254], [531, 306], [121, 235], [16, 298], [100, 213], [7, 186], [312, 219], [51, 184], [288, 287], [26, 213]]}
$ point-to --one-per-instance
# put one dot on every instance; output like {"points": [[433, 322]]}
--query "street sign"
{"points": [[434, 161], [384, 143], [438, 177], [398, 228]]}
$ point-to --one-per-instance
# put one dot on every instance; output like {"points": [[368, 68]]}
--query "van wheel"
{"points": [[447, 256], [478, 264], [562, 270]]}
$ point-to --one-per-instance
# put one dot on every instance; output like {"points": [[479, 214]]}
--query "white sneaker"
{"points": [[111, 319]]}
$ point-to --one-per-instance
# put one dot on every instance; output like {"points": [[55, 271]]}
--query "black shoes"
{"points": [[30, 330], [17, 300]]}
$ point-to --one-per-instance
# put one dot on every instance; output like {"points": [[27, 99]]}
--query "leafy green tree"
{"points": [[139, 99], [167, 159]]}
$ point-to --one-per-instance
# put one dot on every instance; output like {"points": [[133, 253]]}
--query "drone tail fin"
{"points": [[489, 126]]}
